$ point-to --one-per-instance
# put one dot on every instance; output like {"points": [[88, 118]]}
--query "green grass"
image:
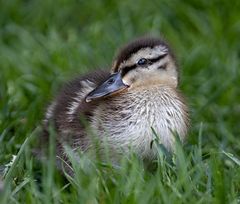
{"points": [[44, 43]]}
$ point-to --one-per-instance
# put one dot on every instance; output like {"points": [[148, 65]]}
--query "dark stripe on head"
{"points": [[158, 58], [136, 45], [125, 70], [164, 66]]}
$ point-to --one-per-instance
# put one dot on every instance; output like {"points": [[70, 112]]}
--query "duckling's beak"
{"points": [[112, 85]]}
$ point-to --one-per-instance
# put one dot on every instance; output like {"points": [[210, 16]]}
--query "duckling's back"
{"points": [[69, 113]]}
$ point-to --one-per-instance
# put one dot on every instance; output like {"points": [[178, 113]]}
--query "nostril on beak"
{"points": [[110, 81]]}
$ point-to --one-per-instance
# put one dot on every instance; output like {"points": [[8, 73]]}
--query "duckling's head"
{"points": [[145, 62], [141, 63]]}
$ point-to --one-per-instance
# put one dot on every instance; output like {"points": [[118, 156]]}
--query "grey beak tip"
{"points": [[112, 85]]}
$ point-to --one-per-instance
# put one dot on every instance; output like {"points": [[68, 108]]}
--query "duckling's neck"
{"points": [[126, 120]]}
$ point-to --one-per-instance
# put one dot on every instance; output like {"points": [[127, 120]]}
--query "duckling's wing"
{"points": [[69, 112]]}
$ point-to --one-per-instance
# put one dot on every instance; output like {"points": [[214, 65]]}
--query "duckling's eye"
{"points": [[142, 61]]}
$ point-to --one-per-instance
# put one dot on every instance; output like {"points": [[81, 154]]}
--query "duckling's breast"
{"points": [[125, 121]]}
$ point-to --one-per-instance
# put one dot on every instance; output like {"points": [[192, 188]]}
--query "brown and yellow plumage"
{"points": [[122, 105]]}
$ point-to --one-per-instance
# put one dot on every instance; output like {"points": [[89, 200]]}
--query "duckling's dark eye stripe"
{"points": [[126, 69], [157, 58]]}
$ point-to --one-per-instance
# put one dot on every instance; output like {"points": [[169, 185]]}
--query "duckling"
{"points": [[123, 106]]}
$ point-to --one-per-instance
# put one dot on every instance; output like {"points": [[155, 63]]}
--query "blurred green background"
{"points": [[44, 43]]}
